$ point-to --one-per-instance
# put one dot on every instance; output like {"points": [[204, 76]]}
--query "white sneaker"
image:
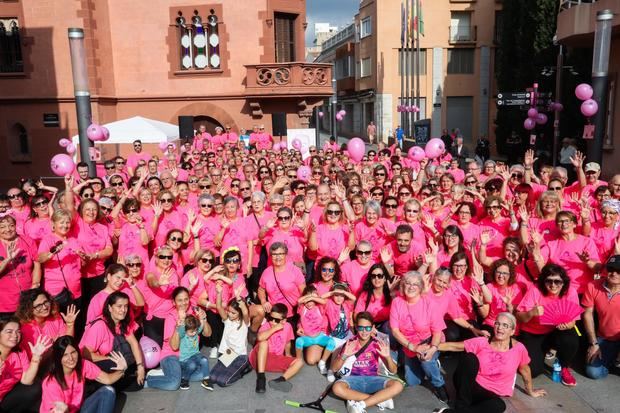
{"points": [[550, 354], [355, 407], [213, 354], [322, 368], [330, 376], [155, 373], [387, 404]]}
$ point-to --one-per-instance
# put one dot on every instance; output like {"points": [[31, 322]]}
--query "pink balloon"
{"points": [[532, 113], [434, 148], [584, 91], [106, 134], [558, 106], [529, 123], [62, 164], [321, 114], [283, 145], [70, 149], [163, 145], [151, 351], [304, 173], [541, 119], [339, 117], [399, 108], [589, 107], [343, 113], [94, 132], [296, 144], [64, 142], [416, 109], [357, 149], [416, 153]]}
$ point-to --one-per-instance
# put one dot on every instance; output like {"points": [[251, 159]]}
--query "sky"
{"points": [[336, 12]]}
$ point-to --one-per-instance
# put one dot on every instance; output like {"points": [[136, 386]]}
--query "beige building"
{"points": [[457, 67], [576, 25]]}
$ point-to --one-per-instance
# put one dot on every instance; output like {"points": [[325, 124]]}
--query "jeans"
{"points": [[195, 368], [416, 370], [599, 368], [366, 384], [101, 401]]}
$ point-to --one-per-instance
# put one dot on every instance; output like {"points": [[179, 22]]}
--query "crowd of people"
{"points": [[372, 271]]}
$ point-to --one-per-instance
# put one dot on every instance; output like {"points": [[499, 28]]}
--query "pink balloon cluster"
{"points": [[356, 148], [340, 115], [97, 133], [406, 108], [584, 92]]}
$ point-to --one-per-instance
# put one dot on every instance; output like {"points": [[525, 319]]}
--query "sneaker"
{"points": [[355, 407], [442, 410], [281, 385], [441, 393], [550, 355], [260, 384], [213, 354], [387, 404], [567, 377], [206, 385], [184, 384], [322, 368], [155, 373], [330, 376]]}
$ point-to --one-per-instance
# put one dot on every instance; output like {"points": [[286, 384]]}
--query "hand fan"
{"points": [[560, 311]]}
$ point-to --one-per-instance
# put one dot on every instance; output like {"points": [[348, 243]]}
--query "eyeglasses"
{"points": [[164, 257], [284, 218], [40, 204], [470, 182], [379, 276], [234, 185], [120, 162], [41, 306], [404, 193], [364, 252], [301, 187], [379, 173], [367, 329], [206, 205], [13, 196], [207, 260], [555, 188], [269, 317], [329, 270], [109, 167], [245, 188], [518, 176], [554, 281], [377, 193], [116, 184], [166, 200], [333, 212], [493, 207], [134, 264], [502, 273], [433, 184], [504, 326], [132, 211], [176, 239], [316, 172], [233, 260], [391, 206]]}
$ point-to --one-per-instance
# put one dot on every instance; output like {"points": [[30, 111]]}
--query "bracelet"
{"points": [[306, 212], [481, 284], [344, 357], [139, 364]]}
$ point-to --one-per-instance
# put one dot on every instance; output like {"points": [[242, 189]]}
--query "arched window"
{"points": [[199, 42], [10, 46], [19, 143]]}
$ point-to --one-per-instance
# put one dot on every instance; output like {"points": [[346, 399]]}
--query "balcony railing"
{"points": [[567, 4], [294, 78], [340, 37], [462, 34]]}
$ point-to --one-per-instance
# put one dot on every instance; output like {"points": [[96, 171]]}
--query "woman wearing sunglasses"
{"points": [[20, 209], [167, 218], [364, 387], [117, 279], [207, 222], [604, 232], [374, 228], [134, 235], [161, 279], [354, 271], [498, 226], [332, 235], [39, 224], [232, 232], [283, 228], [375, 296], [552, 285], [327, 274]]}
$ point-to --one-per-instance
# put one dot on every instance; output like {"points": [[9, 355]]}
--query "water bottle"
{"points": [[556, 372]]}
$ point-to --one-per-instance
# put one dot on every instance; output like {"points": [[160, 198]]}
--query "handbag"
{"points": [[65, 297]]}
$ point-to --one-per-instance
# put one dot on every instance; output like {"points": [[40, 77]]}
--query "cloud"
{"points": [[335, 12]]}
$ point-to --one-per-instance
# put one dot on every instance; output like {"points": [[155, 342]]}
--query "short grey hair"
{"points": [[374, 205], [509, 316], [411, 275], [278, 246], [258, 194], [205, 197]]}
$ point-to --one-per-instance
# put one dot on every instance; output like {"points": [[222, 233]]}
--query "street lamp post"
{"points": [[334, 107], [600, 81], [82, 94]]}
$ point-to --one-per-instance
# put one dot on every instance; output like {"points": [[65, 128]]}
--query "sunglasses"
{"points": [[109, 167], [379, 276], [412, 211], [555, 188], [553, 281], [379, 174], [333, 212], [364, 252], [234, 185], [176, 239], [206, 205], [134, 265], [132, 211], [329, 270], [269, 317], [207, 260], [245, 188], [470, 182], [367, 329], [234, 260], [284, 218], [166, 200], [404, 193], [106, 209], [120, 163], [40, 204], [391, 206], [13, 196], [377, 194], [204, 186], [164, 257], [116, 184], [88, 195], [518, 176]]}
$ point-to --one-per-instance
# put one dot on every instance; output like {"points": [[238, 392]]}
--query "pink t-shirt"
{"points": [[294, 239], [100, 339], [66, 262], [607, 307], [14, 366], [73, 395], [130, 242], [92, 238], [135, 158], [95, 306], [332, 311], [445, 304], [498, 231], [377, 235], [565, 253], [17, 276], [20, 218], [461, 290], [376, 306], [278, 340], [168, 222], [417, 322], [199, 288], [604, 239], [158, 300], [497, 305], [534, 297], [37, 229], [313, 320], [53, 328], [209, 227], [367, 363], [354, 274], [235, 236], [331, 241], [286, 289], [253, 224], [406, 261], [498, 369], [470, 232]]}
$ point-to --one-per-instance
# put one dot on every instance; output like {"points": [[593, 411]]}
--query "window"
{"points": [[19, 144], [409, 55], [285, 37], [344, 67], [499, 26], [461, 29], [10, 46], [365, 68], [366, 27], [460, 61], [199, 42]]}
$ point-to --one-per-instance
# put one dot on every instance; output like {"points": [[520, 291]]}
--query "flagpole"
{"points": [[413, 59], [402, 62], [406, 67], [417, 72]]}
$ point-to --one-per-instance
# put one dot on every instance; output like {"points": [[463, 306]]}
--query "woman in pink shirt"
{"points": [[39, 224], [514, 253], [232, 232], [487, 371], [465, 211], [451, 243], [375, 297], [605, 231], [502, 294], [553, 285], [134, 235], [543, 220], [116, 279], [375, 229], [64, 386], [160, 280], [167, 218], [331, 236], [18, 390], [411, 213], [462, 286], [145, 198], [498, 226], [209, 224], [354, 272], [283, 229], [20, 210], [39, 316], [19, 268]]}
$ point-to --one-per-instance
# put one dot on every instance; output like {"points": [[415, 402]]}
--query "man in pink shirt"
{"points": [[136, 157]]}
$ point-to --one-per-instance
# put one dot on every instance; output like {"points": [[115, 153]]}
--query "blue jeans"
{"points": [[101, 401], [599, 368], [416, 370], [195, 368], [171, 380], [366, 384]]}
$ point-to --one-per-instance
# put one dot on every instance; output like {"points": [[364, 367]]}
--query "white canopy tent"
{"points": [[147, 130]]}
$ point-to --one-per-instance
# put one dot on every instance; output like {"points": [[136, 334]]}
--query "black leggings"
{"points": [[217, 329], [566, 342], [154, 329], [22, 399], [470, 396]]}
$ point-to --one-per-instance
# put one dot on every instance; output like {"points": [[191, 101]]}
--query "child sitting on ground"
{"points": [[189, 350]]}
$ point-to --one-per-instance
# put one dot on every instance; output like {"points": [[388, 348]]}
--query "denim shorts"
{"points": [[366, 384]]}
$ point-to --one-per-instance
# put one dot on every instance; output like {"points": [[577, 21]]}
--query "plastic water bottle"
{"points": [[556, 372]]}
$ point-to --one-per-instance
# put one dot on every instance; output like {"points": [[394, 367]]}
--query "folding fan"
{"points": [[560, 311]]}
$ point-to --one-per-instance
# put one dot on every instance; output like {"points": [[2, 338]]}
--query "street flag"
{"points": [[418, 18], [403, 23]]}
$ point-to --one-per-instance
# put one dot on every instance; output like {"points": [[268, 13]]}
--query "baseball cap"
{"points": [[592, 166], [613, 264]]}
